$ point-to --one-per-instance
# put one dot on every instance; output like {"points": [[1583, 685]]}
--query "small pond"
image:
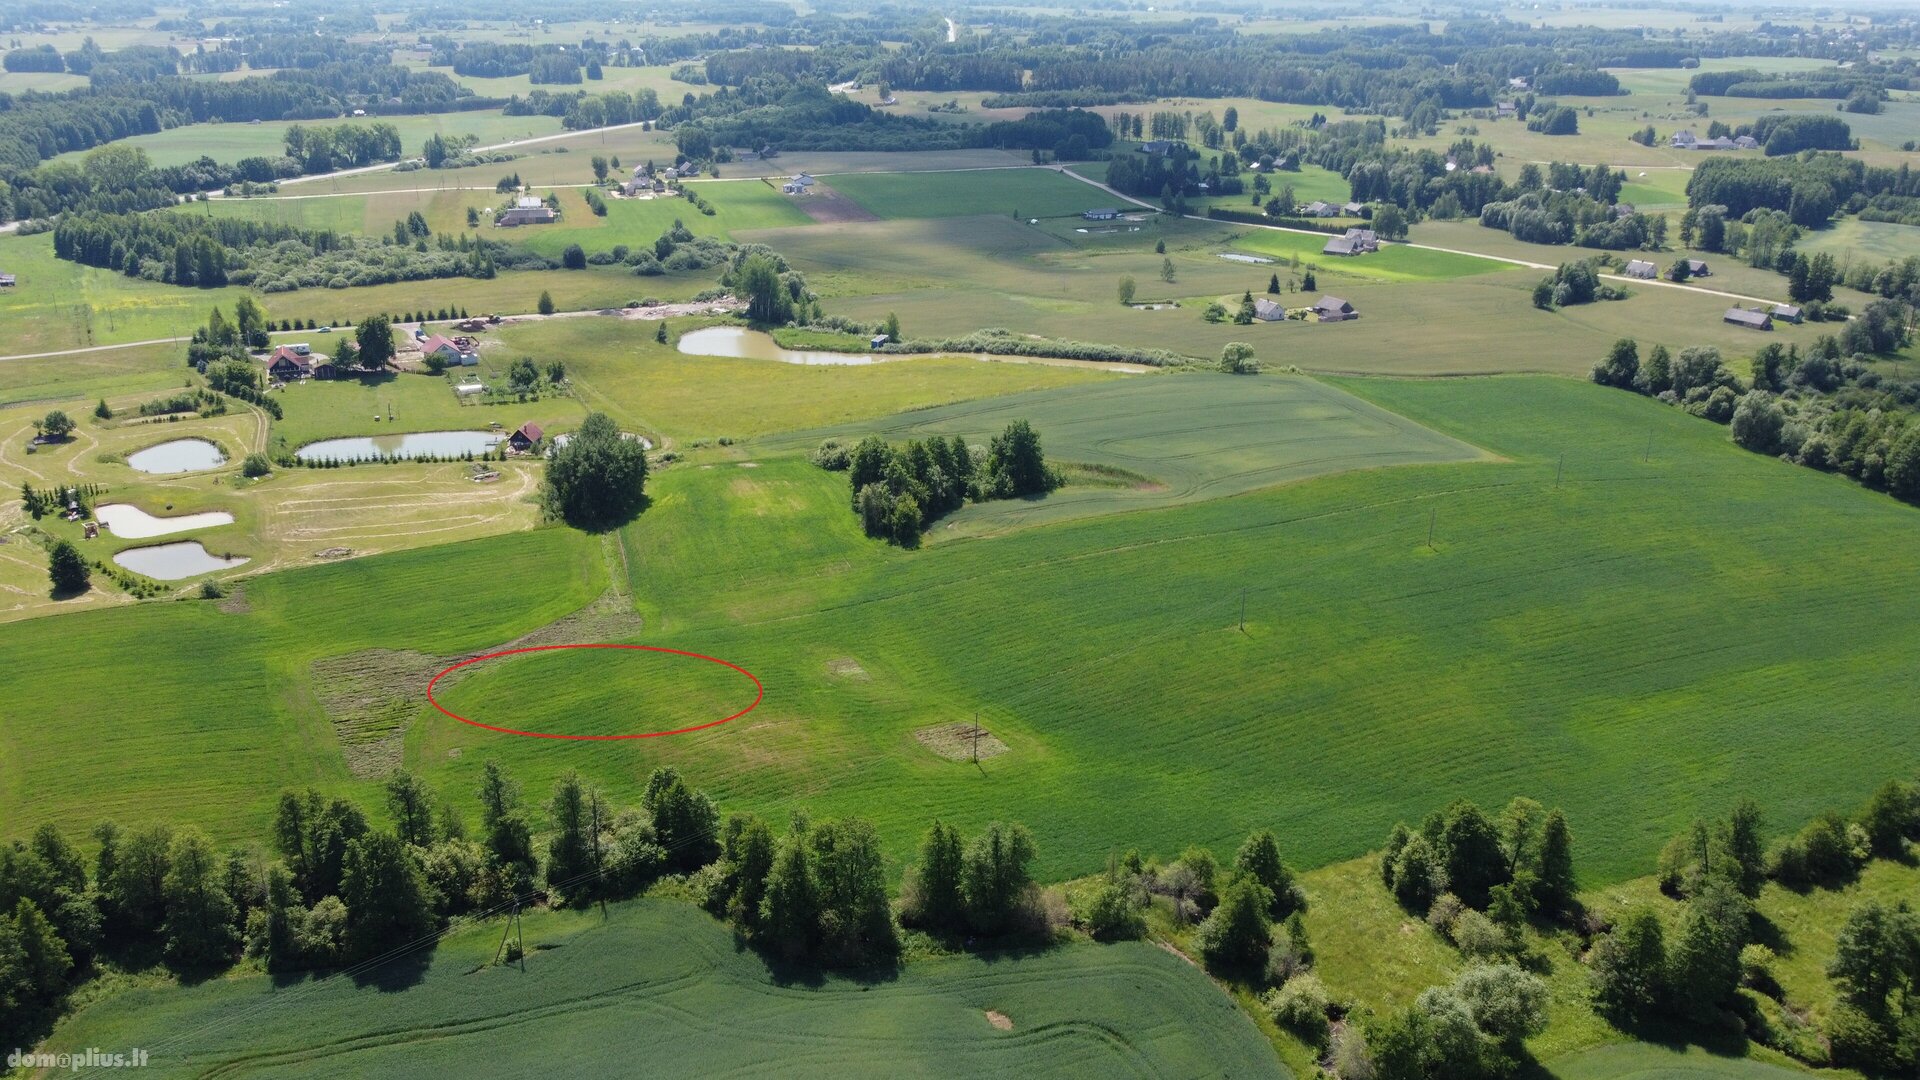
{"points": [[740, 342], [171, 562], [133, 523], [178, 456], [441, 444]]}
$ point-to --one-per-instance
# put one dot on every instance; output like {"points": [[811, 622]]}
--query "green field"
{"points": [[1545, 641], [663, 984], [1642, 1061], [318, 410], [1026, 193], [230, 142], [1393, 262], [1255, 433]]}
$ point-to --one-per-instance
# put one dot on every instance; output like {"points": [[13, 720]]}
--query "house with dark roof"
{"points": [[525, 437], [1339, 245], [1504, 109], [1718, 143], [1752, 320], [1317, 208], [1102, 214], [1789, 312], [1642, 269], [1354, 209], [286, 365], [1745, 142], [527, 215], [1334, 309], [1157, 147], [1266, 310], [1698, 268]]}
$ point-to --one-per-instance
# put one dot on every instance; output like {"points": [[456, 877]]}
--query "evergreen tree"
{"points": [[937, 880], [994, 876], [67, 570], [1555, 887], [570, 849], [1259, 858], [790, 912], [1236, 935]]}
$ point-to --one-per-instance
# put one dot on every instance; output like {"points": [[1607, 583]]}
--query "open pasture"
{"points": [[1022, 193], [379, 405], [228, 142], [661, 982], [1173, 440], [618, 368]]}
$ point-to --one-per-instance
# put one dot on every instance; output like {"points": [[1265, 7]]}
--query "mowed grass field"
{"points": [[1024, 193], [662, 983], [1182, 439], [1635, 644], [226, 142]]}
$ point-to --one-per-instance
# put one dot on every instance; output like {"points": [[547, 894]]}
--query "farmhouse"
{"points": [[525, 437], [1320, 209], [1789, 312], [1504, 109], [1157, 147], [527, 215], [455, 351], [1642, 269], [1268, 311], [286, 365], [1698, 268], [1103, 214], [1683, 140], [1339, 245], [1334, 309], [1746, 142], [527, 202], [1752, 320], [1354, 209]]}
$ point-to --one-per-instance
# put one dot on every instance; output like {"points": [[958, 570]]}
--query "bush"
{"points": [[1477, 937], [256, 466], [832, 455], [1113, 914], [1301, 1007]]}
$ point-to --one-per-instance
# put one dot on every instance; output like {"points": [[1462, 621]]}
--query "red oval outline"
{"points": [[759, 694]]}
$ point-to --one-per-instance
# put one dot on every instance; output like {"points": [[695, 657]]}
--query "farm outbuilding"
{"points": [[1751, 319], [1334, 309]]}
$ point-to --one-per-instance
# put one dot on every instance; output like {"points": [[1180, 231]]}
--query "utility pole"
{"points": [[519, 943], [1648, 456], [976, 736], [1243, 610], [1433, 518], [1558, 469]]}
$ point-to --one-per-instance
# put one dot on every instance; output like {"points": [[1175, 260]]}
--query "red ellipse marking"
{"points": [[759, 692]]}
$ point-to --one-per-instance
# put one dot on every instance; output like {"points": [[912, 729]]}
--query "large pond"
{"points": [[171, 562], [411, 444], [134, 523], [745, 344], [177, 456]]}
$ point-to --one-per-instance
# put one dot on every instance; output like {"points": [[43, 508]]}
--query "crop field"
{"points": [[1393, 262], [618, 369], [662, 982], [1025, 193], [1376, 676], [1256, 433], [737, 204]]}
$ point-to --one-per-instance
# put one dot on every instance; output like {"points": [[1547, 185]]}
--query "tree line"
{"points": [[899, 492]]}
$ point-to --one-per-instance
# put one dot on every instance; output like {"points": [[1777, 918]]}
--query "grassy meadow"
{"points": [[1024, 193], [662, 982], [228, 142], [1548, 637]]}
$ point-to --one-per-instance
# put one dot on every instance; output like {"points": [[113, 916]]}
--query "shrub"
{"points": [[831, 455], [1113, 914], [1301, 1007], [1477, 937], [255, 466]]}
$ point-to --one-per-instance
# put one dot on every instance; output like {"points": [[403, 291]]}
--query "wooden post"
{"points": [[976, 737], [1433, 519]]}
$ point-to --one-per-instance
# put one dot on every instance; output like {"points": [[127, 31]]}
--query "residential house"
{"points": [[1334, 309], [1320, 209], [1503, 110], [1698, 268], [1354, 209], [1266, 310], [286, 365], [535, 215], [525, 437], [1752, 320], [457, 352], [1364, 239], [1718, 143], [527, 202], [804, 180], [1623, 210], [1157, 147], [1642, 269], [1519, 82], [1339, 245], [1745, 142], [1788, 312], [1103, 214], [1683, 140]]}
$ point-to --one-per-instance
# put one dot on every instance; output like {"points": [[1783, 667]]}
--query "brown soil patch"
{"points": [[999, 1020], [955, 741], [846, 667], [829, 207], [236, 601], [371, 695]]}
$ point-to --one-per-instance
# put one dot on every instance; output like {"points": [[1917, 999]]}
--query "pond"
{"points": [[745, 344], [442, 444], [133, 523], [177, 456], [171, 562]]}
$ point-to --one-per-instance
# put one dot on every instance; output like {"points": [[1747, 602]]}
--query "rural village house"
{"points": [[1642, 269], [525, 437], [1267, 310], [1334, 309], [1752, 320]]}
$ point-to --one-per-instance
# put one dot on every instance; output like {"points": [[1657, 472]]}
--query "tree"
{"points": [[1166, 270], [570, 850], [1237, 359], [1273, 285], [599, 168], [790, 911], [1622, 364], [758, 279], [1630, 968], [1876, 955], [199, 926], [56, 425], [1235, 936], [1016, 466], [1126, 290], [660, 334], [386, 896], [410, 804], [69, 572], [891, 327], [103, 411], [598, 479], [32, 957], [1706, 955], [1259, 858], [545, 305], [685, 820], [994, 876], [473, 217], [1508, 1004], [856, 923], [374, 339], [573, 258], [1555, 887], [1469, 847], [937, 901], [1390, 221], [1307, 283]]}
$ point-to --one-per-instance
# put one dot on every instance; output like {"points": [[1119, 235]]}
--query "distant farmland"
{"points": [[1026, 193]]}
